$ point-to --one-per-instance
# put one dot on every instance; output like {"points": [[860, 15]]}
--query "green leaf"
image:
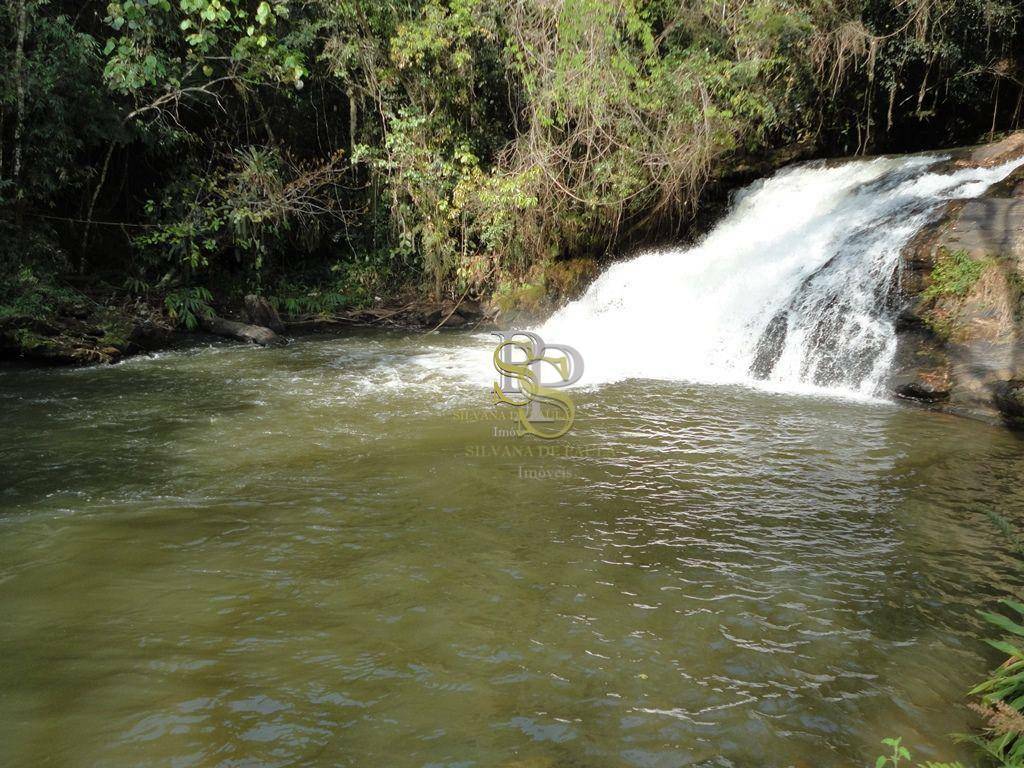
{"points": [[1005, 647], [1003, 623]]}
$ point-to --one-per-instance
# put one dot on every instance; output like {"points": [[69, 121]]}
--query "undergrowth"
{"points": [[955, 273]]}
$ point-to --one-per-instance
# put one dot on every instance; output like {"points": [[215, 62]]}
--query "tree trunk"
{"points": [[19, 118], [95, 197], [254, 334], [353, 117]]}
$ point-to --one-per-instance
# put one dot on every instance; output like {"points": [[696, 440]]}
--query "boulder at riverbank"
{"points": [[961, 324]]}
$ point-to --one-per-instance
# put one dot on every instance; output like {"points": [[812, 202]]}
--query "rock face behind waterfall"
{"points": [[798, 288], [961, 326]]}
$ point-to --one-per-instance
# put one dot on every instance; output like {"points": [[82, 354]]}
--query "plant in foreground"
{"points": [[901, 754], [1001, 695]]}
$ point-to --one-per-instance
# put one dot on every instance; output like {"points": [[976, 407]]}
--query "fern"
{"points": [[187, 305]]}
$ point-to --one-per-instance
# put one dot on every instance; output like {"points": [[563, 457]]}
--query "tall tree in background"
{"points": [[461, 144], [19, 108]]}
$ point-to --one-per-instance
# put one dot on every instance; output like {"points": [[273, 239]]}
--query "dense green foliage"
{"points": [[325, 151], [1002, 694]]}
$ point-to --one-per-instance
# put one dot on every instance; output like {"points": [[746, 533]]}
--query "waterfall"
{"points": [[795, 289]]}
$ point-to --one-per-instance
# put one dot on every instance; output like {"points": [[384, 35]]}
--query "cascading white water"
{"points": [[793, 290]]}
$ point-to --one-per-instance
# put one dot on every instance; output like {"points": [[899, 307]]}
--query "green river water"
{"points": [[323, 555]]}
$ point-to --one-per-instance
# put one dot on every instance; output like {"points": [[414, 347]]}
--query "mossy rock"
{"points": [[954, 274]]}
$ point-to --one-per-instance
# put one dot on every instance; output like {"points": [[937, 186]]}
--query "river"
{"points": [[323, 554]]}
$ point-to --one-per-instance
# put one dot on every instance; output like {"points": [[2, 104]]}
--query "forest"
{"points": [[333, 153]]}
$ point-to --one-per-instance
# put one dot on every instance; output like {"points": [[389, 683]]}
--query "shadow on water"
{"points": [[89, 433]]}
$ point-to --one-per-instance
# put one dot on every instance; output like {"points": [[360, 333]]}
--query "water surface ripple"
{"points": [[314, 556]]}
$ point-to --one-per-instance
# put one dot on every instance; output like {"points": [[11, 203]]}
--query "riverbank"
{"points": [[65, 326], [958, 298], [52, 322]]}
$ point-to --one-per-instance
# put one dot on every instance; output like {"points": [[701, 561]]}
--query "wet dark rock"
{"points": [[445, 318], [770, 346], [924, 391], [453, 314], [962, 351], [1009, 398], [921, 369], [149, 334], [261, 312], [928, 383]]}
